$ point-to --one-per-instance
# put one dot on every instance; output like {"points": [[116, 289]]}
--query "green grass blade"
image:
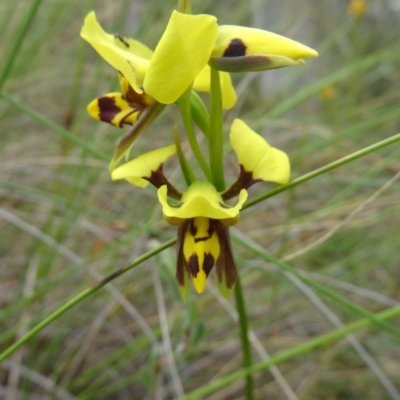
{"points": [[289, 354], [18, 39]]}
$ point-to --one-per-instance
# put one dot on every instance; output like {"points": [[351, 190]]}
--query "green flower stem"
{"points": [[81, 296], [145, 120], [244, 338], [264, 255], [216, 134], [184, 103], [289, 354], [187, 172], [185, 7], [200, 114], [326, 168], [17, 41]]}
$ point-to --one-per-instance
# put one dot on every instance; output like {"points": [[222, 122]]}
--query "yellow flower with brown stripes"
{"points": [[179, 60], [201, 213], [203, 218]]}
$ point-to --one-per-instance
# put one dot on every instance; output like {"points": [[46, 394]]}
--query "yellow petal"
{"points": [[202, 84], [257, 156], [236, 41], [201, 249], [128, 56], [114, 109], [181, 54], [143, 166], [201, 200]]}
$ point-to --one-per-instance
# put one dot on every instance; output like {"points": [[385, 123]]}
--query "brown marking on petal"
{"points": [[158, 179], [211, 227], [192, 228], [210, 231], [193, 264], [208, 263], [222, 205], [180, 259], [236, 48], [139, 101], [244, 181], [126, 117], [201, 239], [225, 263], [122, 40], [107, 109]]}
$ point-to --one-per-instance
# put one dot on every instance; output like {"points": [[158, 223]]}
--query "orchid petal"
{"points": [[201, 249], [114, 109], [256, 156], [127, 56], [201, 200], [236, 41], [144, 166], [181, 54]]}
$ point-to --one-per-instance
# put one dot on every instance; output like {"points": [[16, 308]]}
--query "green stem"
{"points": [[326, 168], [216, 134], [187, 172], [18, 39], [289, 354], [200, 114], [81, 296], [146, 119], [184, 103], [185, 7], [244, 338]]}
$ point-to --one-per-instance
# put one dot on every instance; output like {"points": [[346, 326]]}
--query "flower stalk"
{"points": [[216, 135], [184, 103]]}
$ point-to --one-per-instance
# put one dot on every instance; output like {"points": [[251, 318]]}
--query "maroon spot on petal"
{"points": [[180, 271], [208, 263], [107, 109], [193, 264], [225, 263], [122, 40], [192, 228], [236, 48]]}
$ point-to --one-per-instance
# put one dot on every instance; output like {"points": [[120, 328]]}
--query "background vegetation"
{"points": [[64, 225]]}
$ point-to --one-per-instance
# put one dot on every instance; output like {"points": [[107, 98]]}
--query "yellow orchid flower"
{"points": [[203, 217], [163, 75], [201, 212]]}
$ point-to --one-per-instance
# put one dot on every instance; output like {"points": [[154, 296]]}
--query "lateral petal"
{"points": [[114, 109], [255, 155], [144, 166]]}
